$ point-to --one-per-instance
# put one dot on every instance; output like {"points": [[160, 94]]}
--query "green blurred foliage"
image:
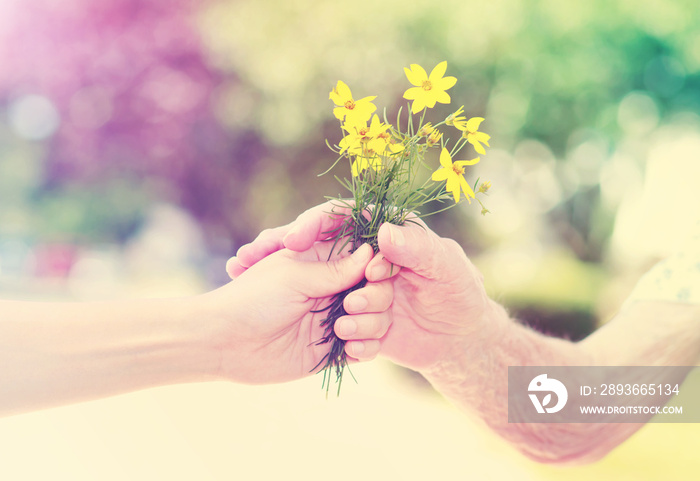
{"points": [[553, 67], [103, 211]]}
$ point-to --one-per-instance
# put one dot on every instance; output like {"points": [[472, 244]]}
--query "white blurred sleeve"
{"points": [[675, 279]]}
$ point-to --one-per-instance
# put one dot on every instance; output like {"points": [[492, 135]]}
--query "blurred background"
{"points": [[143, 141]]}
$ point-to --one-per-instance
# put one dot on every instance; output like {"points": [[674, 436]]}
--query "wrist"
{"points": [[222, 336], [475, 341], [192, 338], [473, 359]]}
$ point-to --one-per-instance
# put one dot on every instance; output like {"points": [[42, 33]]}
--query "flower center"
{"points": [[458, 169], [350, 104], [427, 85]]}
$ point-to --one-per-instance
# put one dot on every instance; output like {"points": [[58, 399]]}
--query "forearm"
{"points": [[475, 377], [58, 353]]}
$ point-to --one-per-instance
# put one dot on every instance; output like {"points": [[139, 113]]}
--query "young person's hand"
{"points": [[273, 328]]}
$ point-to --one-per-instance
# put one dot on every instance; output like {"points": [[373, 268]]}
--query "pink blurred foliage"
{"points": [[132, 87], [127, 77]]}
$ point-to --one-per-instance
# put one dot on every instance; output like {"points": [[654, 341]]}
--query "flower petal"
{"points": [[429, 100], [438, 72], [412, 93], [343, 93], [445, 83], [359, 166], [441, 174], [460, 124], [364, 108], [452, 185], [333, 95], [442, 97], [477, 146], [473, 124], [339, 112], [416, 75], [482, 137], [462, 163], [468, 192], [353, 125], [419, 104], [445, 159]]}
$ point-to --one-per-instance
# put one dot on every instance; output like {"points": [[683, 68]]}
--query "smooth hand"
{"points": [[272, 329]]}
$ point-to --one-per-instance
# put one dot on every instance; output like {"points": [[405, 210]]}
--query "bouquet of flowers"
{"points": [[386, 162]]}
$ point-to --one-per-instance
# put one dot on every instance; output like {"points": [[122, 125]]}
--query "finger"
{"points": [[320, 279], [380, 269], [364, 350], [266, 243], [316, 224], [374, 297], [362, 326], [234, 268]]}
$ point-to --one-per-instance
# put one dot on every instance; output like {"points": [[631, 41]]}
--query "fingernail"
{"points": [[360, 255], [347, 327], [396, 236], [358, 348], [241, 255], [356, 303], [378, 272]]}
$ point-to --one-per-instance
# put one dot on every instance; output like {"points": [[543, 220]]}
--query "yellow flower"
{"points": [[484, 187], [426, 130], [456, 118], [361, 163], [453, 173], [471, 132], [352, 142], [363, 139], [428, 89], [347, 109], [434, 137], [392, 145]]}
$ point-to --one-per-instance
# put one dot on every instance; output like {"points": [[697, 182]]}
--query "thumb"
{"points": [[321, 279], [414, 246]]}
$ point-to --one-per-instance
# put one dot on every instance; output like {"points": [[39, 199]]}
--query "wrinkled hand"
{"points": [[272, 330], [439, 299]]}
